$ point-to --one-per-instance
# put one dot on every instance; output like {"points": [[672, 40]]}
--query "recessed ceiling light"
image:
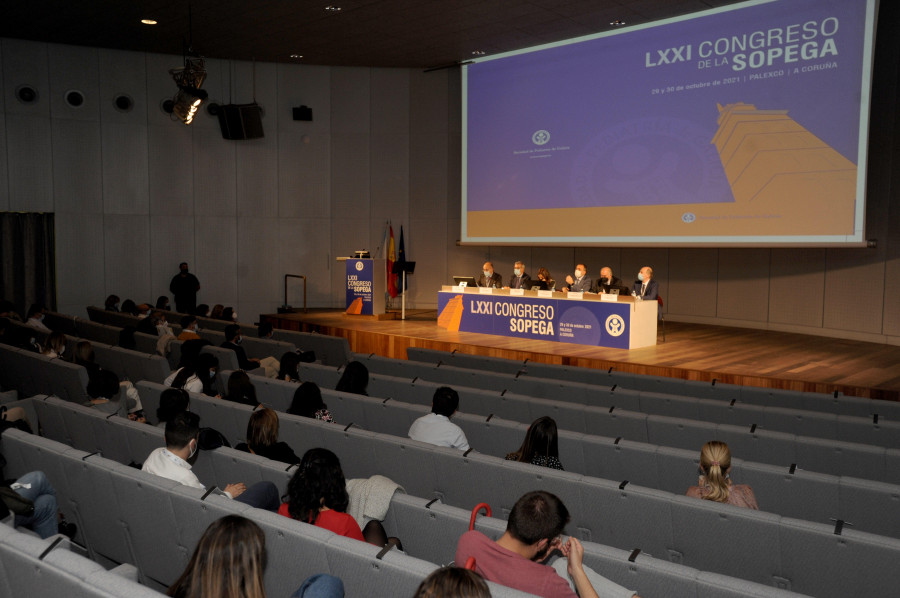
{"points": [[148, 21], [333, 8], [477, 52], [296, 55], [617, 23]]}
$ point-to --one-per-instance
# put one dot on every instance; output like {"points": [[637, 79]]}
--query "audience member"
{"points": [[715, 483], [241, 390], [111, 303], [317, 494], [308, 402], [489, 278], [172, 401], [173, 462], [190, 350], [436, 427], [607, 281], [262, 438], [184, 287], [544, 275], [147, 325], [126, 338], [516, 560], [143, 310], [541, 446], [581, 283], [128, 307], [355, 379], [197, 376], [453, 582], [189, 328], [35, 317], [228, 315], [162, 302], [288, 370], [519, 279], [233, 341], [162, 326], [46, 520], [217, 311], [202, 310], [265, 330], [55, 345], [645, 287]]}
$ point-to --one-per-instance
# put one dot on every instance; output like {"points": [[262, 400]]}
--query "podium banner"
{"points": [[360, 286]]}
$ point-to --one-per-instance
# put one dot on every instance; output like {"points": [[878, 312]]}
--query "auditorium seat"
{"points": [[330, 350]]}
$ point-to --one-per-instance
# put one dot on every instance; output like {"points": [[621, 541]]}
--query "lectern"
{"points": [[365, 286]]}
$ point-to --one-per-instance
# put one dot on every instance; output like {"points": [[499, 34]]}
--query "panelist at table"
{"points": [[581, 283], [607, 281], [645, 287], [544, 276], [488, 277], [519, 279]]}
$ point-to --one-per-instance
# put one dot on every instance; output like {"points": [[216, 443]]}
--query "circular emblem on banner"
{"points": [[540, 137], [615, 325], [359, 266], [688, 217]]}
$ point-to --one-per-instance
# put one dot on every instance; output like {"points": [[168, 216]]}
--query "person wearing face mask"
{"points": [[519, 279], [607, 281], [645, 287], [189, 328], [184, 287], [233, 342], [581, 283], [489, 278], [173, 462], [35, 318]]}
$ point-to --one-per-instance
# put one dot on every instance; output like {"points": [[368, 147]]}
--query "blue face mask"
{"points": [[518, 271], [212, 374], [641, 276]]}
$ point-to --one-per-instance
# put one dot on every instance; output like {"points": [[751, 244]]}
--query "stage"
{"points": [[691, 351]]}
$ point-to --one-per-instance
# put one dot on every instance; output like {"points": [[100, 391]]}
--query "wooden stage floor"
{"points": [[691, 351]]}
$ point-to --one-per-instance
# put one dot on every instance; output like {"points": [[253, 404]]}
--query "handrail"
{"points": [[286, 276]]}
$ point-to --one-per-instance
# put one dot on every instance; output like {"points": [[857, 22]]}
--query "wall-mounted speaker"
{"points": [[240, 121], [302, 113]]}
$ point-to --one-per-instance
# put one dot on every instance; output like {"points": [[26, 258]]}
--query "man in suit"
{"points": [[607, 281], [645, 287], [581, 283], [519, 279], [488, 277]]}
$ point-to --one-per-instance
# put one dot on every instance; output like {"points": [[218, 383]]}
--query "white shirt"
{"points": [[438, 430], [170, 466], [192, 384], [38, 324]]}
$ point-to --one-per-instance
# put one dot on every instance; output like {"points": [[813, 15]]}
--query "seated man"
{"points": [[171, 462], [516, 560], [436, 427], [189, 329], [581, 282], [645, 287], [233, 341], [489, 278], [607, 281], [519, 279]]}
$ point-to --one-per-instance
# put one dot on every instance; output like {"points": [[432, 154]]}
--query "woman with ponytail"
{"points": [[715, 483]]}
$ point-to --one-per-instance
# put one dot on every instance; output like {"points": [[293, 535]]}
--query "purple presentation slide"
{"points": [[628, 119]]}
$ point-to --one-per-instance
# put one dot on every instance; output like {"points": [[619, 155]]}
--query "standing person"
{"points": [[519, 279], [184, 287]]}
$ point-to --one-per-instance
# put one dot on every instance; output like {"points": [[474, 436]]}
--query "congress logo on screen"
{"points": [[540, 137], [615, 325]]}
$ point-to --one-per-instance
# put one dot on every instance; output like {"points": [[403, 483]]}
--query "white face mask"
{"points": [[62, 350], [641, 276], [487, 273], [578, 274], [193, 450], [212, 374], [518, 271]]}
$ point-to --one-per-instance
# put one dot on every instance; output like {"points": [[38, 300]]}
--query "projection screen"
{"points": [[745, 125]]}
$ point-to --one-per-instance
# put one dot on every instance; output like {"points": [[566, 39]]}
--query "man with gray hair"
{"points": [[519, 279]]}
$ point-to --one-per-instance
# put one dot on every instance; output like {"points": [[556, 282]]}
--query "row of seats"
{"points": [[749, 442], [33, 567], [616, 513], [878, 431], [836, 403], [869, 505], [126, 515], [429, 531]]}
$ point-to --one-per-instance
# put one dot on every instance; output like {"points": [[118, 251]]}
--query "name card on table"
{"points": [[574, 295], [546, 294], [609, 297], [517, 292], [486, 290]]}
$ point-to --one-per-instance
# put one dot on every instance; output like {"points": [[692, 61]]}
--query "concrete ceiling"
{"points": [[383, 33]]}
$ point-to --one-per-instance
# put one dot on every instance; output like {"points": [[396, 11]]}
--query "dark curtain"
{"points": [[28, 259]]}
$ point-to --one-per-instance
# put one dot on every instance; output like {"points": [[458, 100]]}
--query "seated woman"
{"points": [[197, 376], [217, 311], [544, 275], [715, 483], [111, 303], [308, 402], [262, 438], [541, 446], [317, 494], [355, 379], [55, 345], [241, 389], [288, 370]]}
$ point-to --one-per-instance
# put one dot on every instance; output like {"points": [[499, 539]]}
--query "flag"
{"points": [[401, 257], [392, 278]]}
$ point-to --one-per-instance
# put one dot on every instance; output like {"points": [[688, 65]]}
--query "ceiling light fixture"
{"points": [[148, 21], [333, 8], [296, 55], [617, 23], [477, 52], [188, 78]]}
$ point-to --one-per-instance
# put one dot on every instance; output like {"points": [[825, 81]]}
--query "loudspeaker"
{"points": [[240, 121], [303, 113]]}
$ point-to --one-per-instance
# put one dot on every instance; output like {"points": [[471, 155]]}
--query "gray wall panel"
{"points": [[431, 262], [256, 176], [80, 265], [258, 274], [125, 168], [30, 159], [75, 69], [854, 290], [743, 292], [171, 169], [351, 101], [127, 257], [124, 72], [692, 282], [350, 183], [214, 186], [304, 249], [301, 85], [77, 166], [797, 287], [215, 248], [25, 63], [171, 242], [304, 183]]}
